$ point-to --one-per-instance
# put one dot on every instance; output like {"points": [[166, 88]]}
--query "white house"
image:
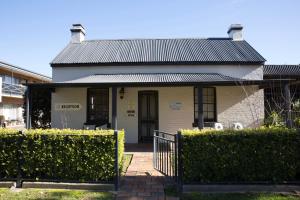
{"points": [[168, 84]]}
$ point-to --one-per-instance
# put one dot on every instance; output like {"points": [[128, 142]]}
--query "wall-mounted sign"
{"points": [[67, 106], [175, 105], [131, 105], [130, 113]]}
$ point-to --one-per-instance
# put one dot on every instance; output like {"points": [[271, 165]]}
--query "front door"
{"points": [[148, 115]]}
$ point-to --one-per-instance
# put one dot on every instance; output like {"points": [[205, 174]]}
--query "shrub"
{"points": [[275, 119], [250, 155], [52, 154]]}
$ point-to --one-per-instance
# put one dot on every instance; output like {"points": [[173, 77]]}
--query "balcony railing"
{"points": [[13, 90]]}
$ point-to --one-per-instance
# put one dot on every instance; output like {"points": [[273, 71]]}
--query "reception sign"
{"points": [[67, 106]]}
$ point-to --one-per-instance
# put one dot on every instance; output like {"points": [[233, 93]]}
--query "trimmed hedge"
{"points": [[65, 155], [250, 155]]}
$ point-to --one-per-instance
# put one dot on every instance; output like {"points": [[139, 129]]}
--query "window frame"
{"points": [[88, 121], [214, 105]]}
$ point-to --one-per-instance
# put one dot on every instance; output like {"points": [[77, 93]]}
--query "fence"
{"points": [[167, 156], [12, 89]]}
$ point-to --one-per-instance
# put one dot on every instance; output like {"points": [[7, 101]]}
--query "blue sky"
{"points": [[33, 31]]}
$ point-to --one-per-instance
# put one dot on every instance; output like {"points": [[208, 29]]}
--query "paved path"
{"points": [[142, 181]]}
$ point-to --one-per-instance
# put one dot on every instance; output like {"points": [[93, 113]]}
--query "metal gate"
{"points": [[167, 156]]}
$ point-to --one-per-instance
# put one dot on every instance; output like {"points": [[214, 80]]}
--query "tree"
{"points": [[41, 107]]}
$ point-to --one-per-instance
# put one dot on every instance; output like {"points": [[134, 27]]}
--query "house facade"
{"points": [[12, 80], [168, 84]]}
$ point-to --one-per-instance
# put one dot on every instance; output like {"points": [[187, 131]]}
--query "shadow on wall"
{"points": [[244, 104]]}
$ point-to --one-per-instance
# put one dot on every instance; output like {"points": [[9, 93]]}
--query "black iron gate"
{"points": [[167, 155]]}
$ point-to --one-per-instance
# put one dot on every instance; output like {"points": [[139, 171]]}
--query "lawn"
{"points": [[198, 196], [126, 162], [53, 194]]}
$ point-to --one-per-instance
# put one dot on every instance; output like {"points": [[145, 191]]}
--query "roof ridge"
{"points": [[282, 65], [183, 38]]}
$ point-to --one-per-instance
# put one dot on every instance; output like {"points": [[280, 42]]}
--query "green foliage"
{"points": [[274, 120], [296, 105], [297, 121], [78, 155], [53, 194], [41, 108], [249, 155], [236, 196]]}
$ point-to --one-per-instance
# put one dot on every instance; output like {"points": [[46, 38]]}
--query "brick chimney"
{"points": [[235, 32], [77, 33]]}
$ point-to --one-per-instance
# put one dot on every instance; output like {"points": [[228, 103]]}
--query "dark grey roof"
{"points": [[282, 70], [159, 51], [154, 78]]}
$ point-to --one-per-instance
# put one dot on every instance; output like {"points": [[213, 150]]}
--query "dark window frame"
{"points": [[88, 121], [214, 106]]}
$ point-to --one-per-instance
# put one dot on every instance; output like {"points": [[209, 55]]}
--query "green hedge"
{"points": [[53, 154], [251, 155]]}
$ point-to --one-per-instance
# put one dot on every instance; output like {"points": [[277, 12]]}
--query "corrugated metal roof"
{"points": [[282, 70], [154, 78], [158, 51]]}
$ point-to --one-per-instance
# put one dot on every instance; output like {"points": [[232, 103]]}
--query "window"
{"points": [[209, 104], [10, 80], [98, 106]]}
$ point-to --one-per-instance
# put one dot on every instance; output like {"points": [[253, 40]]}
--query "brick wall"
{"points": [[240, 104]]}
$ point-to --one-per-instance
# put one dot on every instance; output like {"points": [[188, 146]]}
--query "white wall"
{"points": [[238, 71], [169, 120], [68, 119], [234, 104]]}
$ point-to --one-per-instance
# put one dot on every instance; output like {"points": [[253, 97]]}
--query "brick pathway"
{"points": [[142, 181]]}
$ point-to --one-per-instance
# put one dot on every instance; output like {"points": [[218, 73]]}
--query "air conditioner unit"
{"points": [[237, 126], [218, 126]]}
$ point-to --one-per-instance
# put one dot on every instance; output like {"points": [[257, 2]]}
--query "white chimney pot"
{"points": [[235, 32], [77, 33]]}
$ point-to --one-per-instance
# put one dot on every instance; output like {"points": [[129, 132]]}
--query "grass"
{"points": [[261, 196], [171, 191], [53, 194], [126, 162]]}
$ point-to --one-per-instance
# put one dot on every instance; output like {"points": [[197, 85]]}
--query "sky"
{"points": [[33, 32]]}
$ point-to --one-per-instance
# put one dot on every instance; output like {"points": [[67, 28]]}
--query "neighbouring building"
{"points": [[275, 97], [145, 84], [12, 80]]}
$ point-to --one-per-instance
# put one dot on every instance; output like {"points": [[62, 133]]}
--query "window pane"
{"points": [[210, 115], [210, 91], [205, 107], [210, 107], [98, 106], [210, 99], [208, 104]]}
